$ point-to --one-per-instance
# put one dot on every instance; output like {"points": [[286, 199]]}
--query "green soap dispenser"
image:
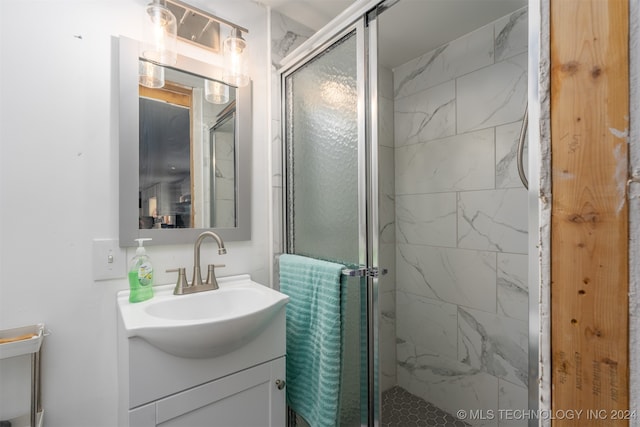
{"points": [[140, 275]]}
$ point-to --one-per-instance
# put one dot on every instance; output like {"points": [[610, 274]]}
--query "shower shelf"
{"points": [[24, 347]]}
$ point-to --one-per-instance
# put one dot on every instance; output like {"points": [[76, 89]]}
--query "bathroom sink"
{"points": [[204, 324]]}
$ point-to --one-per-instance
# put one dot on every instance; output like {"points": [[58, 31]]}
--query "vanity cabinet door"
{"points": [[249, 398], [144, 416]]}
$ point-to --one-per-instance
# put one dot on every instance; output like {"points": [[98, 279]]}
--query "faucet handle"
{"points": [[211, 269], [182, 280], [211, 275]]}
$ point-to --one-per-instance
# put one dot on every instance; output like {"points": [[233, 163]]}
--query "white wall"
{"points": [[59, 181]]}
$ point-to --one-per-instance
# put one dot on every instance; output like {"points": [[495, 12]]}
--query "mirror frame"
{"points": [[129, 164]]}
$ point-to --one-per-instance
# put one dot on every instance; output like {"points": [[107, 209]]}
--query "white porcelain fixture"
{"points": [[205, 324]]}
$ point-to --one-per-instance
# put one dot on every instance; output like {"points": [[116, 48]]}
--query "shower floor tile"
{"points": [[402, 409]]}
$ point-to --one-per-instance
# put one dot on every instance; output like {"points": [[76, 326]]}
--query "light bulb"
{"points": [[235, 66], [161, 39], [216, 92], [150, 75]]}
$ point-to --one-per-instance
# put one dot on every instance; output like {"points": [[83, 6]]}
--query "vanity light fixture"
{"points": [[216, 92], [160, 43], [198, 27]]}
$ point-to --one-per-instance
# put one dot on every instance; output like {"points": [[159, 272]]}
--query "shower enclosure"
{"points": [[402, 160]]}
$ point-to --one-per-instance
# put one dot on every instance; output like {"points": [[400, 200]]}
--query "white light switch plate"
{"points": [[109, 260]]}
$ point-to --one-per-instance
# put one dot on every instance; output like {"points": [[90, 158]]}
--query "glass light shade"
{"points": [[161, 34], [150, 75], [235, 67], [216, 92]]}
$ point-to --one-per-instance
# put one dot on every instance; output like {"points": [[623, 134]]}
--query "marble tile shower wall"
{"points": [[461, 222]]}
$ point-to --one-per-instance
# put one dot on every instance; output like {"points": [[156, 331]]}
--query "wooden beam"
{"points": [[172, 93], [589, 218]]}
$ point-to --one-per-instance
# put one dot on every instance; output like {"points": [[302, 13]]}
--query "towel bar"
{"points": [[358, 272], [363, 271]]}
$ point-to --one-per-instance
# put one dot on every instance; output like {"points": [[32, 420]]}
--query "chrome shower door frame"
{"points": [[367, 207], [287, 153]]}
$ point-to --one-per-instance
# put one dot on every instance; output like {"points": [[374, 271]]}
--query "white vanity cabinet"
{"points": [[247, 398], [242, 388]]}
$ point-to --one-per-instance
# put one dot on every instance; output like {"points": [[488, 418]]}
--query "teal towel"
{"points": [[313, 337]]}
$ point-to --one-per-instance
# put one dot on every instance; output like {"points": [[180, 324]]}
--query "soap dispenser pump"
{"points": [[140, 274]]}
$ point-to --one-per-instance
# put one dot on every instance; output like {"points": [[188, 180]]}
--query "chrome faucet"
{"points": [[197, 285]]}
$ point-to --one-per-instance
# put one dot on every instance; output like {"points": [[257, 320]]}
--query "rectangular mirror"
{"points": [[185, 153]]}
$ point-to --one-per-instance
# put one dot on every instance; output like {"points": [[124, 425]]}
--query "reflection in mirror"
{"points": [[175, 123], [223, 176], [185, 152]]}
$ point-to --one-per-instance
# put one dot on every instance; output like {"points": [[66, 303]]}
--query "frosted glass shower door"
{"points": [[325, 177], [322, 144]]}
